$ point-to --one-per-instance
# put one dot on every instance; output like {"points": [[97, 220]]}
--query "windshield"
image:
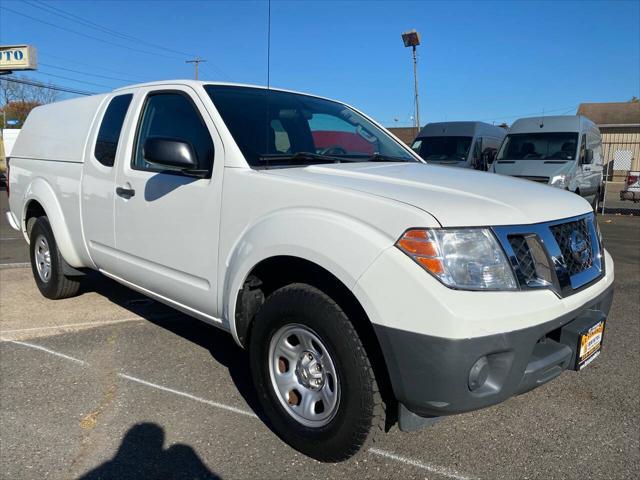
{"points": [[539, 146], [439, 149], [289, 124]]}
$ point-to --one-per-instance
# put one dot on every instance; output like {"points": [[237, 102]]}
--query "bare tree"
{"points": [[18, 99]]}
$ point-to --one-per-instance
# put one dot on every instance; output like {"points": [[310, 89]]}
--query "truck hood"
{"points": [[454, 196], [533, 168]]}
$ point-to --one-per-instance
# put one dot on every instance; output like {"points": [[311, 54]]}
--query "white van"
{"points": [[562, 151], [459, 144]]}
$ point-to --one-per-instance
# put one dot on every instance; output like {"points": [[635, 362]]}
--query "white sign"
{"points": [[18, 57]]}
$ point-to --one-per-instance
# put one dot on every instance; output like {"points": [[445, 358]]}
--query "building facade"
{"points": [[619, 124]]}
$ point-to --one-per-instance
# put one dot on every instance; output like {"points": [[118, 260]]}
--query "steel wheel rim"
{"points": [[42, 258], [303, 375]]}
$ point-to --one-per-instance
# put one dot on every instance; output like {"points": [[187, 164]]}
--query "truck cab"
{"points": [[560, 151], [459, 144]]}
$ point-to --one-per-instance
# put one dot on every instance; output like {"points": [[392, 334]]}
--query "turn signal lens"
{"points": [[420, 246]]}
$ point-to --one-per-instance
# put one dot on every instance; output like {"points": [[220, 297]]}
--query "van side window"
{"points": [[173, 115], [109, 133]]}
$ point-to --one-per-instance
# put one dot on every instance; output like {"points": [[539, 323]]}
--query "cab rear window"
{"points": [[109, 133]]}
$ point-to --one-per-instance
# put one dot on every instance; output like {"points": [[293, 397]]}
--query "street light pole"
{"points": [[412, 39], [415, 86]]}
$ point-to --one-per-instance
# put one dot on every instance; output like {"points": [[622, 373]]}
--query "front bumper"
{"points": [[432, 376]]}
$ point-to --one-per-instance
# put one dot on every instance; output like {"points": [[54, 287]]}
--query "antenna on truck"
{"points": [[268, 113]]}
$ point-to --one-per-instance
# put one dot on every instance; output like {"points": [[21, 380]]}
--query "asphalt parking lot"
{"points": [[112, 385]]}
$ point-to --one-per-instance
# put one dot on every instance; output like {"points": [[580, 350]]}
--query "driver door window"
{"points": [[173, 115], [583, 149]]}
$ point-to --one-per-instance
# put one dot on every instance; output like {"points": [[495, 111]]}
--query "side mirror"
{"points": [[588, 156], [170, 152]]}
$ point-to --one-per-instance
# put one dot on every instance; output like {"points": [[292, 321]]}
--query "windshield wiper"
{"points": [[300, 157], [379, 157]]}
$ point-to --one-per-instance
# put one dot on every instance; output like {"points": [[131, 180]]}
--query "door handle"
{"points": [[125, 192]]}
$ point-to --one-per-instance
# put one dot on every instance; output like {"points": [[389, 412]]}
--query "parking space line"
{"points": [[15, 265], [435, 469], [188, 395], [445, 472], [71, 325], [52, 352]]}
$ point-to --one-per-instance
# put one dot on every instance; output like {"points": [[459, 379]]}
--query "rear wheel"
{"points": [[47, 263], [312, 374]]}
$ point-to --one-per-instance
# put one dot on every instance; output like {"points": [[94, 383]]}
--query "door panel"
{"points": [[104, 153], [166, 223]]}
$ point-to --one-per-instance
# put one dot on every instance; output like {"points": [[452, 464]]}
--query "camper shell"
{"points": [[459, 144]]}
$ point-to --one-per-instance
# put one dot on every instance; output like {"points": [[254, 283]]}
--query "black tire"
{"points": [[595, 204], [360, 413], [56, 285]]}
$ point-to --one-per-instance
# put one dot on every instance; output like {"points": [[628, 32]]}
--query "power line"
{"points": [[73, 79], [539, 112], [88, 36], [84, 64], [86, 73], [96, 26], [58, 88]]}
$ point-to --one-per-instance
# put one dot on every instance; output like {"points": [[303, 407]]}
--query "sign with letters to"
{"points": [[17, 57]]}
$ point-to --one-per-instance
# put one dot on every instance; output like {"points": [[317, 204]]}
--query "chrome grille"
{"points": [[524, 257], [563, 255], [563, 234], [534, 179]]}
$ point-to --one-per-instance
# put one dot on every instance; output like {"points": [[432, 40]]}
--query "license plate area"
{"points": [[589, 345], [584, 335]]}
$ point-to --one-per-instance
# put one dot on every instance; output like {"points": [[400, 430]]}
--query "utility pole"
{"points": [[412, 39], [196, 62]]}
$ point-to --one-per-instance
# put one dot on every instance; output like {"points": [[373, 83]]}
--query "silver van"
{"points": [[562, 151], [459, 144]]}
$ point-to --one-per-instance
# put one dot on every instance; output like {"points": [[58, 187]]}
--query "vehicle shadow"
{"points": [[142, 455], [218, 343]]}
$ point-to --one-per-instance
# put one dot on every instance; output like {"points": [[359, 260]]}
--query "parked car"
{"points": [[561, 151], [459, 144], [631, 189], [365, 286]]}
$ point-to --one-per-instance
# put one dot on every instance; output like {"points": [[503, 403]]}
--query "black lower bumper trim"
{"points": [[432, 376]]}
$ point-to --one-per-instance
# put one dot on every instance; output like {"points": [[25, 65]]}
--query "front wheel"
{"points": [[312, 374], [596, 202], [47, 263]]}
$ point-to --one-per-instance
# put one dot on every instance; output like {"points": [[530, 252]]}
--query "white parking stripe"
{"points": [[445, 472], [14, 265], [39, 347], [435, 469], [71, 325], [188, 395]]}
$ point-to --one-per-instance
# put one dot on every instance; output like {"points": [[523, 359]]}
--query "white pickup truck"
{"points": [[367, 286]]}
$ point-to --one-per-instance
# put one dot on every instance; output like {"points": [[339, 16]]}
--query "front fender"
{"points": [[341, 244], [40, 191]]}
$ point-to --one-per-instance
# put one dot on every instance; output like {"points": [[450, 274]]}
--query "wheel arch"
{"points": [[275, 272], [40, 200]]}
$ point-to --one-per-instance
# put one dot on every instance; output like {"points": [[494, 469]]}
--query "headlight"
{"points": [[464, 258], [559, 181]]}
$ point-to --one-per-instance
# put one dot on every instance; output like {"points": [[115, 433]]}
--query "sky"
{"points": [[491, 61]]}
